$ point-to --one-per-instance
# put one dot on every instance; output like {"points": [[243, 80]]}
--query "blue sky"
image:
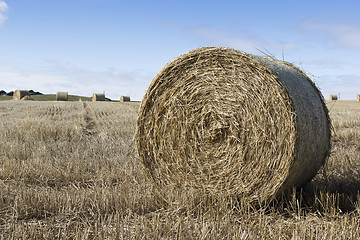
{"points": [[87, 46]]}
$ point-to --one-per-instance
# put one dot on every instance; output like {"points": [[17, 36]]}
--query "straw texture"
{"points": [[98, 97], [229, 123], [61, 96], [125, 99], [19, 94]]}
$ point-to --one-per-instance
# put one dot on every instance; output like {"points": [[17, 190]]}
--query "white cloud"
{"points": [[77, 81], [248, 41], [3, 12], [348, 35], [346, 85]]}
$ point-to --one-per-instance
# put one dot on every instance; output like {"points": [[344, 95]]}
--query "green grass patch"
{"points": [[52, 97], [45, 97], [3, 98]]}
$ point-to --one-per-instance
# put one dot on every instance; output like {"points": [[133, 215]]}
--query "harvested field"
{"points": [[58, 182]]}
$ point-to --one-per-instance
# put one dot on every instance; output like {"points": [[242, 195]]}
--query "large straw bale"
{"points": [[229, 123], [358, 97], [98, 97], [19, 94], [125, 99], [27, 98], [333, 97], [61, 96]]}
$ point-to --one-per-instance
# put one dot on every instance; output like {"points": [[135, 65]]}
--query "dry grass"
{"points": [[57, 181]]}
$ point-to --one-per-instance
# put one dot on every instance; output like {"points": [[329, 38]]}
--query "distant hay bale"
{"points": [[61, 96], [358, 97], [125, 99], [26, 98], [19, 94], [333, 97], [228, 123], [98, 97]]}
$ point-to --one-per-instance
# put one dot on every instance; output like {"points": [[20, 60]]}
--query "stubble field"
{"points": [[69, 170]]}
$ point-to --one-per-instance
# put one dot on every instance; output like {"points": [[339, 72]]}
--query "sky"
{"points": [[117, 46]]}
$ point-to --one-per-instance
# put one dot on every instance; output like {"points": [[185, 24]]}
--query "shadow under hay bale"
{"points": [[228, 123], [98, 97], [19, 94], [333, 97], [125, 99], [61, 96]]}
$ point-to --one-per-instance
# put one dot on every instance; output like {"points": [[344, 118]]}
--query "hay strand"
{"points": [[98, 97], [61, 96], [125, 99], [229, 123]]}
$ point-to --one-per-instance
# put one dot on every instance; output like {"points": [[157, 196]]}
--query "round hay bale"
{"points": [[358, 97], [333, 97], [19, 94], [125, 99], [98, 97], [232, 124], [61, 96], [26, 98]]}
